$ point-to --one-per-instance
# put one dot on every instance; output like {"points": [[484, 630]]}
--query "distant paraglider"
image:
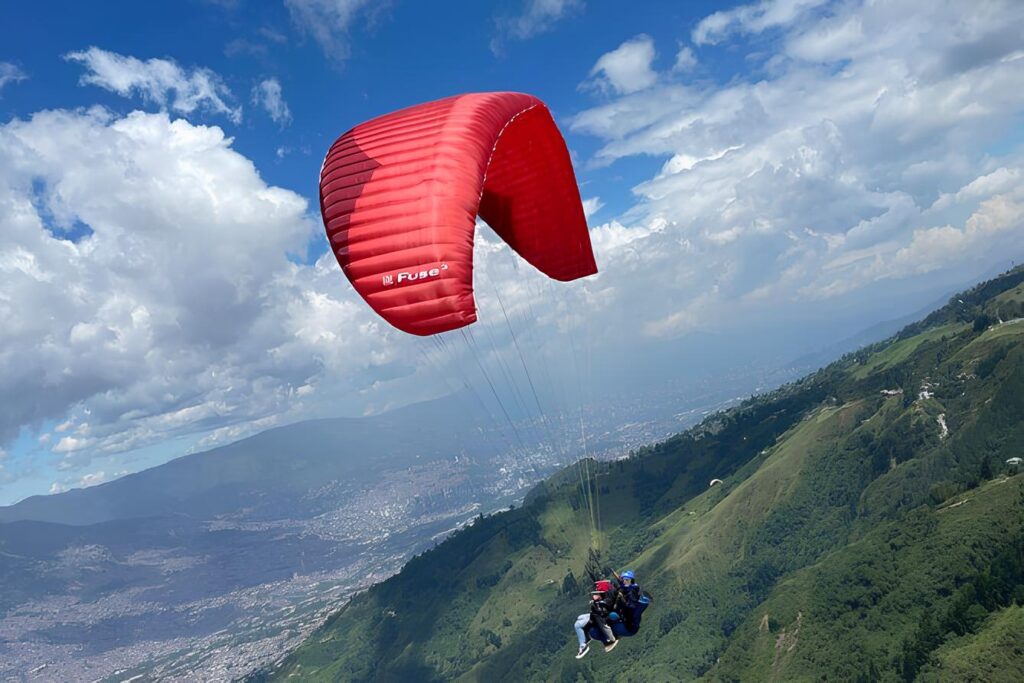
{"points": [[714, 482]]}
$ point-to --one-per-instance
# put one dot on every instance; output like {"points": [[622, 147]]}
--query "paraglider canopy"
{"points": [[400, 195]]}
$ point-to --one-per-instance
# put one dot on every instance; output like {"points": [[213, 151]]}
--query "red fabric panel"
{"points": [[400, 194]]}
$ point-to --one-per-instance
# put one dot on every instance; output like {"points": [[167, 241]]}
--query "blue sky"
{"points": [[398, 55], [785, 171]]}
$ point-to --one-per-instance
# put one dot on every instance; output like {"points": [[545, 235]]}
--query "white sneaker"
{"points": [[611, 646], [583, 651]]}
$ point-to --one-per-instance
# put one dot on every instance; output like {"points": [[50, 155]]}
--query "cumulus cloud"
{"points": [[147, 292], [535, 17], [627, 68], [860, 161], [998, 220], [329, 22], [10, 73], [267, 94], [161, 81]]}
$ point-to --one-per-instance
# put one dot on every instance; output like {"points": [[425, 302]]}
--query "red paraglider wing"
{"points": [[400, 195]]}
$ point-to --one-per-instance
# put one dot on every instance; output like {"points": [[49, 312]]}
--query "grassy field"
{"points": [[901, 350]]}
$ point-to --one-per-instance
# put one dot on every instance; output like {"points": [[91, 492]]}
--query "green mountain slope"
{"points": [[993, 653], [866, 528], [860, 613]]}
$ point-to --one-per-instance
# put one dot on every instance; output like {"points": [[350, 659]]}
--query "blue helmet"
{"points": [[628, 575]]}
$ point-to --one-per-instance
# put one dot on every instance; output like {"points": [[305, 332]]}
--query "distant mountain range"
{"points": [[213, 562], [271, 469], [867, 528]]}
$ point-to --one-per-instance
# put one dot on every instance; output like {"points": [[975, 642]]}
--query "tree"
{"points": [[986, 469], [570, 586]]}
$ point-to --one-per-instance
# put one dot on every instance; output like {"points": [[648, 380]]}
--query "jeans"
{"points": [[581, 625]]}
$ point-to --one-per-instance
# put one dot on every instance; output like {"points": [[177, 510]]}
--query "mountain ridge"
{"points": [[326, 446]]}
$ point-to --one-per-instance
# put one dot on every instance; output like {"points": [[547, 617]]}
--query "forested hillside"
{"points": [[867, 528]]}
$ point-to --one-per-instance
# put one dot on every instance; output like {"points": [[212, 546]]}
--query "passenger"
{"points": [[600, 607]]}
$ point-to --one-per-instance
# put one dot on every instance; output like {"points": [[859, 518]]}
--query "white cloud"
{"points": [[753, 18], [536, 17], [998, 181], [70, 444], [592, 206], [267, 94], [330, 21], [177, 311], [92, 479], [10, 73], [627, 68], [161, 81], [858, 162], [685, 59], [933, 248], [692, 315], [57, 487]]}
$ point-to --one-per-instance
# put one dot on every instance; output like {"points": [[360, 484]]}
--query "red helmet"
{"points": [[603, 585]]}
